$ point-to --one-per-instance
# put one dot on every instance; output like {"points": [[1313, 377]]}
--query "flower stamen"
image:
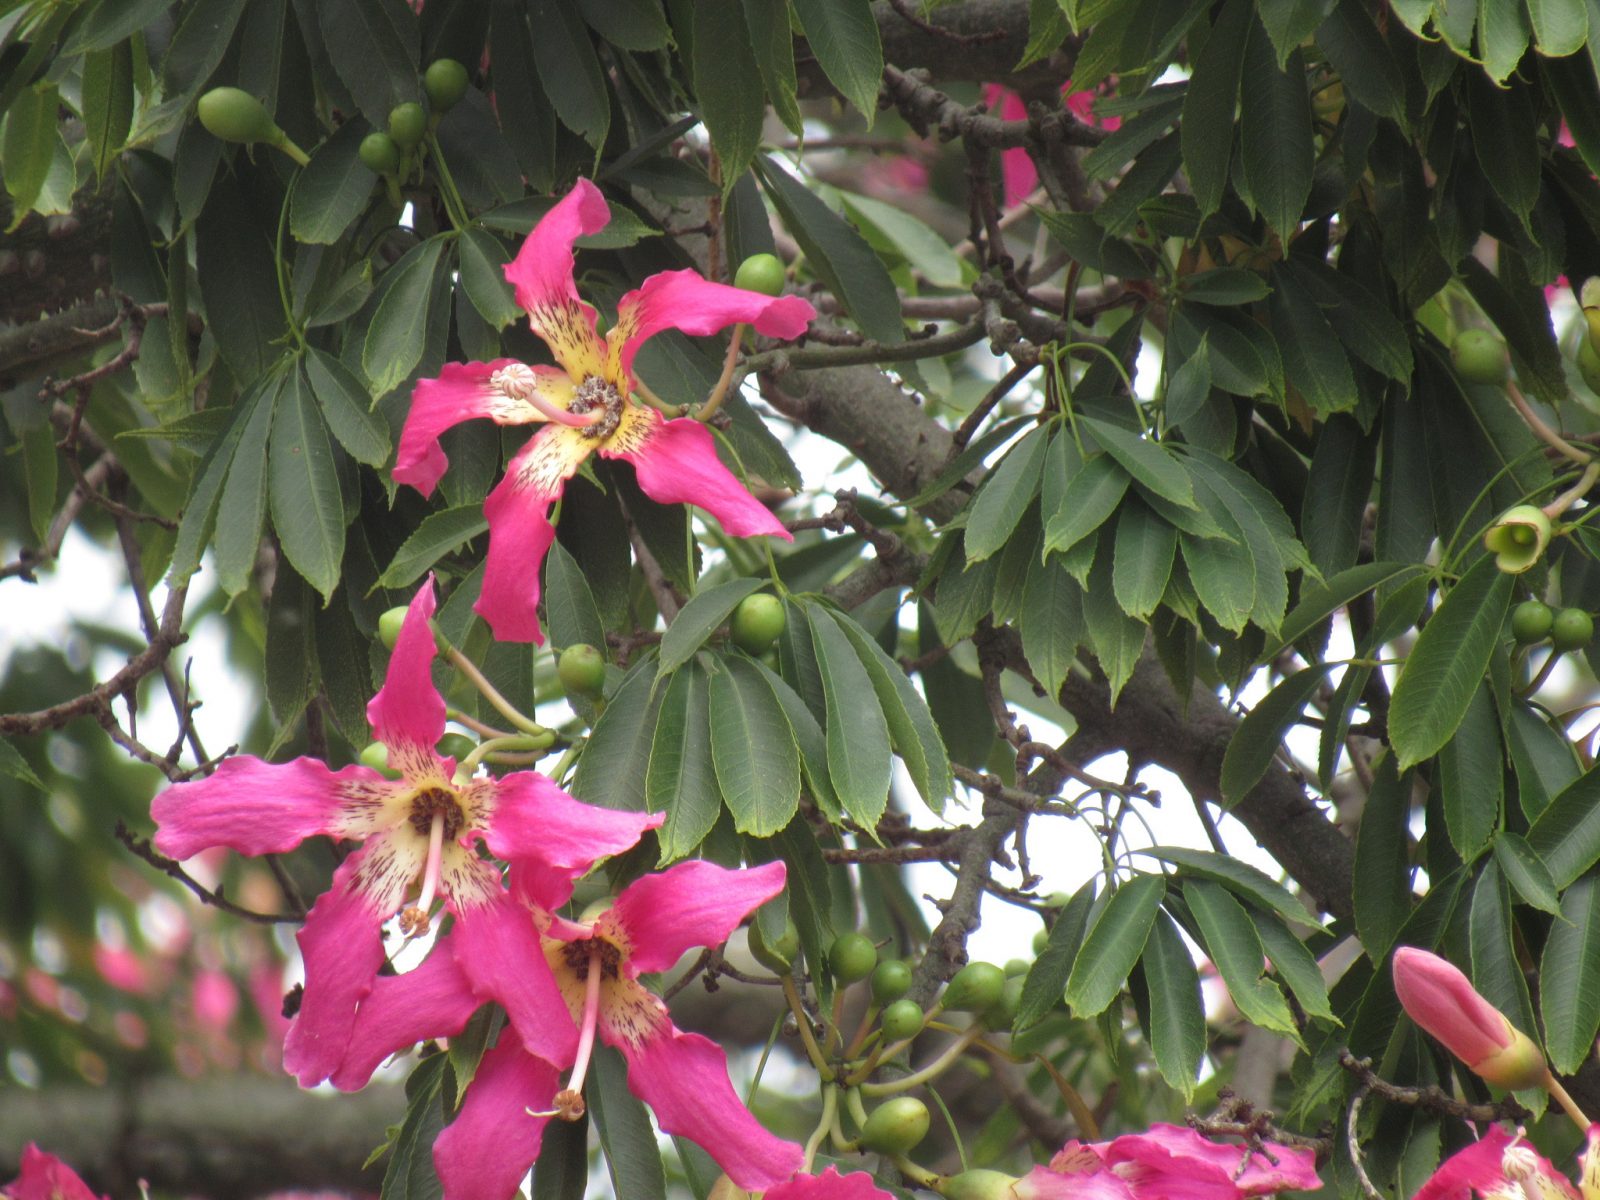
{"points": [[518, 382], [414, 920], [569, 1105]]}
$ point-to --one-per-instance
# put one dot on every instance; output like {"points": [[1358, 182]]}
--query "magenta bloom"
{"points": [[1168, 1162], [1017, 173], [830, 1185], [564, 984], [586, 407], [1501, 1167], [422, 826], [1442, 1000], [46, 1177]]}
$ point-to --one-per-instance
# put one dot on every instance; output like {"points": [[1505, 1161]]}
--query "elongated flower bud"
{"points": [[1444, 1003]]}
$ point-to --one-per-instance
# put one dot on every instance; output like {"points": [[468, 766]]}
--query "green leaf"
{"points": [[1113, 945], [1255, 742], [1148, 461], [1569, 978], [752, 747], [243, 506], [1321, 600], [1145, 548], [810, 740], [346, 408], [772, 41], [843, 34], [1567, 833], [398, 333], [199, 43], [373, 48], [14, 766], [727, 83], [410, 1174], [923, 248], [107, 104], [1117, 638], [303, 487], [838, 254], [236, 267], [1512, 169], [1225, 286], [1560, 27], [194, 529], [1275, 132], [608, 773], [857, 733], [1361, 56], [1177, 1012], [1047, 978], [1229, 936], [912, 728], [1449, 660], [334, 188], [562, 1172], [1295, 965], [1363, 320], [1052, 623], [1525, 872], [439, 534], [569, 70], [1291, 22], [1092, 494], [1005, 496], [1208, 105], [572, 615], [1496, 972], [699, 618], [1503, 35], [626, 1138], [680, 780], [41, 466], [483, 259], [1250, 882], [1312, 358], [108, 22], [1382, 891], [630, 24], [27, 147], [1471, 777]]}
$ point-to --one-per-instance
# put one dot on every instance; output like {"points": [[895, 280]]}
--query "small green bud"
{"points": [[1589, 358], [389, 625], [234, 115], [1531, 622], [1573, 629], [776, 956], [376, 756], [975, 988], [582, 670], [380, 153], [891, 979], [1479, 356], [445, 81], [901, 1020], [852, 957], [979, 1184], [1017, 966], [456, 746], [762, 273], [757, 623], [896, 1126], [408, 123]]}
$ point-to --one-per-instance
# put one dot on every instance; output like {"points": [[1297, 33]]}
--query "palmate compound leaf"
{"points": [[1113, 945], [753, 749], [680, 779]]}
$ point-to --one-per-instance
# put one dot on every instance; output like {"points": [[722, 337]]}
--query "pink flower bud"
{"points": [[1444, 1003]]}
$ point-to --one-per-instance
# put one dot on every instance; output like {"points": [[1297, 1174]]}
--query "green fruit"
{"points": [[897, 1126], [236, 116], [776, 956], [1531, 622], [389, 625], [1040, 941], [380, 153], [456, 746], [1017, 966], [445, 81], [757, 623], [1003, 1013], [891, 979], [975, 988], [901, 1020], [407, 124], [852, 957], [1589, 363], [979, 1184], [762, 273], [1479, 356], [376, 756], [582, 670], [1573, 629]]}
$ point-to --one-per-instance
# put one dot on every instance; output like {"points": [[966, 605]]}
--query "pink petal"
{"points": [[1171, 1147], [342, 944], [46, 1177], [687, 301], [677, 464], [1473, 1169], [520, 532], [683, 1077], [1443, 1002], [432, 1000], [542, 272], [484, 1153], [408, 710], [215, 999], [499, 950], [532, 818], [254, 807], [1018, 175], [695, 903], [830, 1185], [1094, 1183], [460, 393]]}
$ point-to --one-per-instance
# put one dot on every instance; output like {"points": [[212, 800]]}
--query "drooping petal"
{"points": [[499, 950], [408, 710], [484, 1153], [433, 1000], [1476, 1168], [1093, 1182], [462, 392], [342, 944], [532, 818], [256, 807], [695, 903], [520, 532], [683, 1077], [688, 301], [1176, 1147], [46, 1177], [677, 464], [542, 276], [830, 1185]]}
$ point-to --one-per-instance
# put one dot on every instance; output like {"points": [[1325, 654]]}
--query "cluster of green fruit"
{"points": [[1533, 621], [393, 152]]}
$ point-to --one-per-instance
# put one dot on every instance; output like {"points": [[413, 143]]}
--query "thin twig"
{"points": [[143, 849]]}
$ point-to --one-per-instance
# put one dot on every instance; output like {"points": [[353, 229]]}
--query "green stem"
{"points": [[468, 766], [813, 1051], [476, 677], [830, 1110], [720, 392], [282, 273], [1544, 672], [454, 206], [932, 1071], [920, 1176], [286, 144]]}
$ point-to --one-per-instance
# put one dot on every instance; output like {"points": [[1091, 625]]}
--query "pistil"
{"points": [[414, 920], [569, 1105]]}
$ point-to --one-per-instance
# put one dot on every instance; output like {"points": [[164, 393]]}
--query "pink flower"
{"points": [[46, 1177], [420, 826], [564, 983], [585, 406], [1501, 1167], [1169, 1162], [215, 999], [1444, 1003], [830, 1185], [1018, 175]]}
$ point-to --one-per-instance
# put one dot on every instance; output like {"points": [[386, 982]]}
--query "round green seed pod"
{"points": [[979, 1184], [389, 625], [757, 623], [762, 273], [1572, 629], [975, 988], [582, 670], [445, 81], [1040, 941], [408, 124], [901, 1020], [852, 957], [1531, 622], [1017, 966], [897, 1126], [776, 956], [456, 746], [380, 153], [376, 756], [234, 115], [1002, 1014], [891, 979], [1479, 356]]}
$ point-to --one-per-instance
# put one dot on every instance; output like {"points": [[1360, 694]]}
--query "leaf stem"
{"points": [[476, 677], [720, 392], [932, 1071], [813, 1051]]}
